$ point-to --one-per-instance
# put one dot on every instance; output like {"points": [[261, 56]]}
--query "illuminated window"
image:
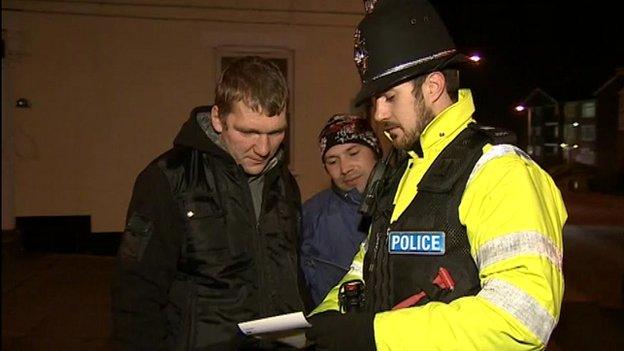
{"points": [[589, 109]]}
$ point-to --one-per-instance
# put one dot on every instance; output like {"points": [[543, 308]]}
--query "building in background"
{"points": [[109, 83], [610, 133], [543, 138], [579, 132], [580, 142]]}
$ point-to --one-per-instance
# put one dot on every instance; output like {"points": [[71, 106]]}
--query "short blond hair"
{"points": [[255, 81]]}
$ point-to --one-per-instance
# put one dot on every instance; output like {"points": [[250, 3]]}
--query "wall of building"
{"points": [[579, 131], [8, 209], [110, 83], [610, 135]]}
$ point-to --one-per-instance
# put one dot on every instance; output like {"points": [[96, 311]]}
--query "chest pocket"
{"points": [[206, 223]]}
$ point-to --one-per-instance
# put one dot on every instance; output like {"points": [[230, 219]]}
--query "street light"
{"points": [[520, 108], [476, 58]]}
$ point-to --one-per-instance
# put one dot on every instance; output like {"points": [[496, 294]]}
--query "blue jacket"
{"points": [[330, 238]]}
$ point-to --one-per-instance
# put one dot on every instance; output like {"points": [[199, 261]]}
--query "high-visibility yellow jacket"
{"points": [[514, 216]]}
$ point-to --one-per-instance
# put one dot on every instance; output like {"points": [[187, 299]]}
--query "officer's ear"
{"points": [[435, 85], [434, 88]]}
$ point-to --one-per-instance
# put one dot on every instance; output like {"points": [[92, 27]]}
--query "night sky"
{"points": [[568, 50]]}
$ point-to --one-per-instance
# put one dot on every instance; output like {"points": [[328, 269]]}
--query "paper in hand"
{"points": [[285, 328]]}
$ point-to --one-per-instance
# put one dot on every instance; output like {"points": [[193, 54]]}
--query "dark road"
{"points": [[61, 302], [593, 265]]}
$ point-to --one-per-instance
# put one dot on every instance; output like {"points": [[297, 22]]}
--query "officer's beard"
{"points": [[424, 116]]}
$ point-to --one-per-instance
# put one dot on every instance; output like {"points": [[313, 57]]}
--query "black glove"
{"points": [[332, 330]]}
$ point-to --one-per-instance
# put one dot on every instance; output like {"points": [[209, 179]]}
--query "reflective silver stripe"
{"points": [[515, 244], [495, 152], [411, 64], [356, 268], [520, 305]]}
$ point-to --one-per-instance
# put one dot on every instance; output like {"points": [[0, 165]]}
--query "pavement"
{"points": [[592, 314], [55, 301], [62, 301], [594, 209]]}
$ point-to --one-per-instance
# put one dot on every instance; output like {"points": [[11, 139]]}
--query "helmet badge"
{"points": [[360, 55], [369, 5]]}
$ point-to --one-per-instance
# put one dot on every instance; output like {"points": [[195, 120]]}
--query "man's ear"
{"points": [[217, 123], [434, 87]]}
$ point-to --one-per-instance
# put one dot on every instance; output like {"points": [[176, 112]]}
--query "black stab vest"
{"points": [[391, 278]]}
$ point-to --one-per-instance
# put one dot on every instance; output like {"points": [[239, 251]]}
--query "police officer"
{"points": [[465, 248]]}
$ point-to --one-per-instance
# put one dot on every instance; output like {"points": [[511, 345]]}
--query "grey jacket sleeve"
{"points": [[146, 264]]}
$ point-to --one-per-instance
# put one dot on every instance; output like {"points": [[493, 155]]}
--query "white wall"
{"points": [[8, 179], [111, 84]]}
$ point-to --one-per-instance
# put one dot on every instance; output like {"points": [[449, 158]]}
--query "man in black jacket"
{"points": [[213, 225]]}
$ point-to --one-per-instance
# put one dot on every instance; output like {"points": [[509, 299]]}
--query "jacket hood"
{"points": [[193, 135]]}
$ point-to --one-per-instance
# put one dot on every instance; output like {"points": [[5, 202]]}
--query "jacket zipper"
{"points": [[261, 264]]}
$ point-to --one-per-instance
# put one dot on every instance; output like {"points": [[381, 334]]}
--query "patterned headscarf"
{"points": [[343, 129]]}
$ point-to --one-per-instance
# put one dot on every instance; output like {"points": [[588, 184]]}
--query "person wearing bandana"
{"points": [[333, 229]]}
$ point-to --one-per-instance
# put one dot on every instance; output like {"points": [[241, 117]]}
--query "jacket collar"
{"points": [[352, 195], [446, 124]]}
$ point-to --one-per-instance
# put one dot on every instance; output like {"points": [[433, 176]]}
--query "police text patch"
{"points": [[416, 243]]}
